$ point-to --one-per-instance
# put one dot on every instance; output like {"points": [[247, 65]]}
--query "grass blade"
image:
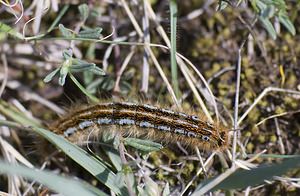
{"points": [[7, 29], [244, 178], [84, 159], [57, 19], [59, 184], [98, 169], [174, 68]]}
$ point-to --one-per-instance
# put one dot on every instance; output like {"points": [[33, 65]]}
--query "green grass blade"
{"points": [[174, 68], [268, 26], [143, 145], [57, 19], [244, 178], [7, 29], [15, 114], [57, 183], [114, 157], [274, 156], [284, 19], [84, 159]]}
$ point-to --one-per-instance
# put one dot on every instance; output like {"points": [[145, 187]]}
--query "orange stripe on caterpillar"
{"points": [[145, 121]]}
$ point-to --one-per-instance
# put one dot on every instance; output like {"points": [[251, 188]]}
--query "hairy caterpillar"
{"points": [[143, 120]]}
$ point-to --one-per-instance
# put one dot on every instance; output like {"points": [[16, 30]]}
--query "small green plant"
{"points": [[265, 11]]}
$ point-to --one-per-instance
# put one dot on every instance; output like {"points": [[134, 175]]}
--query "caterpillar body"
{"points": [[143, 120]]}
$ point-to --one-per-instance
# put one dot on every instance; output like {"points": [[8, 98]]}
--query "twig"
{"points": [[219, 73], [14, 125], [146, 68], [201, 162], [4, 62], [265, 91], [198, 172], [125, 163], [184, 68], [147, 46], [122, 69], [236, 101], [278, 132], [276, 116], [109, 49], [34, 18], [35, 97], [117, 50]]}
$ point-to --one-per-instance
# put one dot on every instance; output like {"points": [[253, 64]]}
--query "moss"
{"points": [[250, 147], [262, 138], [250, 73], [291, 80], [248, 134], [255, 131], [279, 110], [160, 175], [30, 75], [190, 167], [273, 138], [254, 115], [263, 103]]}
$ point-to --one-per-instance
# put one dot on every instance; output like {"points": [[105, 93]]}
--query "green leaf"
{"points": [[98, 71], [84, 11], [92, 165], [114, 156], [91, 51], [90, 33], [151, 187], [63, 74], [127, 174], [108, 84], [63, 185], [7, 29], [80, 62], [284, 19], [244, 178], [95, 13], [92, 86], [50, 76], [261, 5], [112, 149], [166, 191], [280, 4], [81, 68], [254, 5], [79, 65], [221, 5], [67, 54], [268, 12], [65, 32], [268, 26], [98, 169], [88, 77], [143, 145]]}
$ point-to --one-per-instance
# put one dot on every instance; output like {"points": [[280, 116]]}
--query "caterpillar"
{"points": [[145, 121]]}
